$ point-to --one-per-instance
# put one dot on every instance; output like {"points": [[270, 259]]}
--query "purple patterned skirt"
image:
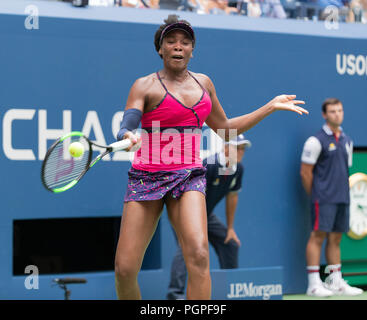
{"points": [[144, 185]]}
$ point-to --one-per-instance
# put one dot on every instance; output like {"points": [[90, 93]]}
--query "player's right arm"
{"points": [[136, 100], [310, 154]]}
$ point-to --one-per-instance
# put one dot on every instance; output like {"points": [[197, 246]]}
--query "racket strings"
{"points": [[60, 167], [54, 181]]}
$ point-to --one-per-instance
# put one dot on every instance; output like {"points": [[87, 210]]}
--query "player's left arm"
{"points": [[218, 119]]}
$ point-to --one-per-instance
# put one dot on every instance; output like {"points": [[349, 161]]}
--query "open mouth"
{"points": [[177, 57]]}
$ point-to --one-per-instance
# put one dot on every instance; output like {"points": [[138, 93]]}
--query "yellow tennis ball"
{"points": [[76, 149]]}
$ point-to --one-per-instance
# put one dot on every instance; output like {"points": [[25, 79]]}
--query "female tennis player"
{"points": [[168, 169]]}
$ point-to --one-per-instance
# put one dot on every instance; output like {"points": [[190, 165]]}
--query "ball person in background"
{"points": [[223, 180], [325, 160], [178, 99]]}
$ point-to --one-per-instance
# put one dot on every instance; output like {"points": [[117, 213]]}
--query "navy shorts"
{"points": [[330, 217]]}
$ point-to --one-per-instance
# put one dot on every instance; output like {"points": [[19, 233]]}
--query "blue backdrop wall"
{"points": [[75, 72]]}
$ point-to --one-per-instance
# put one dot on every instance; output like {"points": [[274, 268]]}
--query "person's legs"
{"points": [[314, 246], [323, 217], [332, 249], [340, 225], [334, 280], [323, 221], [138, 223], [313, 252], [227, 252], [177, 283], [333, 257], [188, 218]]}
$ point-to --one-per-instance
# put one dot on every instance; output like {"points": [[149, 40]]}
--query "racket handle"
{"points": [[120, 145]]}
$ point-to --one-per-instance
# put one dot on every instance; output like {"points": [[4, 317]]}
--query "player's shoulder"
{"points": [[317, 136], [145, 83], [199, 75], [321, 133], [204, 80], [313, 138], [146, 80], [313, 141]]}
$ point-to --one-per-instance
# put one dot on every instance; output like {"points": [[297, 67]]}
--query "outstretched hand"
{"points": [[287, 102]]}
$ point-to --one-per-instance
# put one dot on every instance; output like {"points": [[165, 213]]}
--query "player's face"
{"points": [[334, 114], [176, 49]]}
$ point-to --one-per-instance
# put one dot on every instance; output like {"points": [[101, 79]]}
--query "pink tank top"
{"points": [[171, 134]]}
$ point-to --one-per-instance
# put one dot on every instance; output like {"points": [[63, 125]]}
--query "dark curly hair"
{"points": [[172, 18]]}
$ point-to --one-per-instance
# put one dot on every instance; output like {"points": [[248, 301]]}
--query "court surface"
{"points": [[363, 296]]}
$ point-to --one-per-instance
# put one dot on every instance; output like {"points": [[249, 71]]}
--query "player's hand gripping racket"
{"points": [[69, 159]]}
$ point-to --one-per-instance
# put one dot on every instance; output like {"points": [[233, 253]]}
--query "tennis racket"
{"points": [[61, 171]]}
